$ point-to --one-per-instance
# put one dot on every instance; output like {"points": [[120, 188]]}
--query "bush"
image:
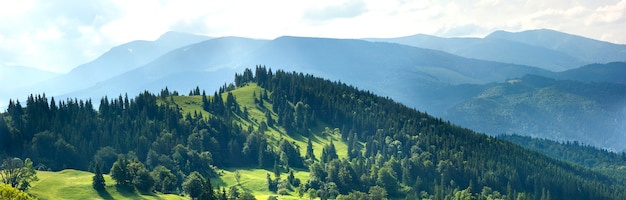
{"points": [[8, 192]]}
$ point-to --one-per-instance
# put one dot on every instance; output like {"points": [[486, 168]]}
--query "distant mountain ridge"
{"points": [[116, 61], [562, 110], [586, 49], [435, 81], [402, 72], [14, 77], [614, 72], [548, 49]]}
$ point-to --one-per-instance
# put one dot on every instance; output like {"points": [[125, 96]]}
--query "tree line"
{"points": [[393, 151]]}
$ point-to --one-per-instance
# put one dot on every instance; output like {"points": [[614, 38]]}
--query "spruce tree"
{"points": [[309, 150], [98, 180]]}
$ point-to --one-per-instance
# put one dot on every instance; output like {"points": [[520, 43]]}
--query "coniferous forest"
{"points": [[393, 151]]}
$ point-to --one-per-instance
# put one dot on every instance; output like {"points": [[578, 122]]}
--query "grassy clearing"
{"points": [[256, 114], [75, 184], [254, 180]]}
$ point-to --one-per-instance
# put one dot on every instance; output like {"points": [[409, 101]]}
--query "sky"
{"points": [[59, 35]]}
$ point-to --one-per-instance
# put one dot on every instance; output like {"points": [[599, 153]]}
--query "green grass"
{"points": [[255, 180], [75, 184], [256, 115]]}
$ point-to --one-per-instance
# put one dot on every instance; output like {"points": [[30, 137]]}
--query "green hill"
{"points": [[562, 110], [611, 164], [245, 99], [260, 127]]}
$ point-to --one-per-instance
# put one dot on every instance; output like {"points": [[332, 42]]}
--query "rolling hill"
{"points": [[562, 110], [613, 72], [390, 149]]}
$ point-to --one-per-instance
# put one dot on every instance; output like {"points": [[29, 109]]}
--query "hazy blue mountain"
{"points": [[14, 77], [586, 49], [407, 74], [469, 92], [116, 61], [547, 49], [592, 113], [207, 64], [614, 72]]}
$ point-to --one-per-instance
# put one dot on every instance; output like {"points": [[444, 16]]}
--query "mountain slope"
{"points": [[208, 64], [609, 163], [405, 73], [392, 150], [611, 72], [116, 61], [592, 113]]}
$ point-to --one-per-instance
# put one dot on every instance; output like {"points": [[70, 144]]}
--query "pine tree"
{"points": [[207, 191], [276, 168], [309, 150], [98, 180]]}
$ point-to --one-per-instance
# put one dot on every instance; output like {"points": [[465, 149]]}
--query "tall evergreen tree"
{"points": [[98, 181], [309, 150]]}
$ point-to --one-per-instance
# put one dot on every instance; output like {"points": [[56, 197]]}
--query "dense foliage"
{"points": [[590, 112], [393, 150], [17, 173], [609, 163], [8, 192]]}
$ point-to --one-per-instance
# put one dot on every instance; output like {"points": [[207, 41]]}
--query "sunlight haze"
{"points": [[60, 35]]}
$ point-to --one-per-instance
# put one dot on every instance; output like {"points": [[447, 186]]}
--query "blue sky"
{"points": [[61, 34]]}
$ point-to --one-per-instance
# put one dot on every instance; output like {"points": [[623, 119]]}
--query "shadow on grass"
{"points": [[218, 182], [126, 191], [151, 194], [104, 194]]}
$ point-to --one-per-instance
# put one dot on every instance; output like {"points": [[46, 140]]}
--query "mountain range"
{"points": [[116, 61], [447, 77], [547, 49]]}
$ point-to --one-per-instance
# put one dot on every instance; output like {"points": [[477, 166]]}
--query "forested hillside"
{"points": [[610, 163], [592, 113], [390, 150]]}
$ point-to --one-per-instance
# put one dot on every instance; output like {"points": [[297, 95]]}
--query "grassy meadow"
{"points": [[74, 184]]}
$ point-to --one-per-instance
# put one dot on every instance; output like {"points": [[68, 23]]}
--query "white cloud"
{"points": [[59, 35]]}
